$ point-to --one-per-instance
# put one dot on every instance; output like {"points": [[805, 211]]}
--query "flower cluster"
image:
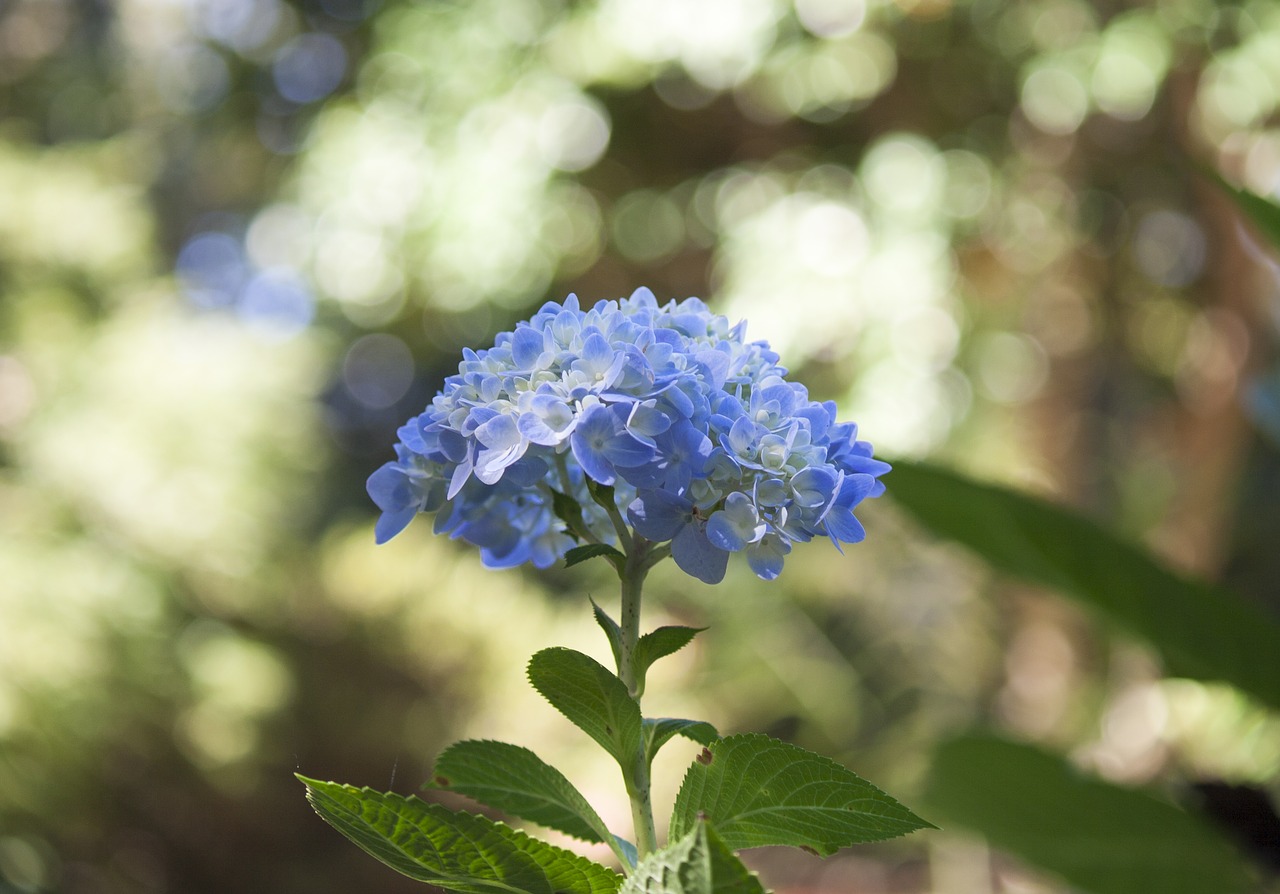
{"points": [[697, 432]]}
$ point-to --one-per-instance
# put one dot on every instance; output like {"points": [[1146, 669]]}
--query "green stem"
{"points": [[619, 525], [637, 776]]}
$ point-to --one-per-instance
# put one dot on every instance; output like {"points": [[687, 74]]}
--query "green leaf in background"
{"points": [[759, 791], [1202, 631], [515, 780], [1264, 213], [659, 730], [658, 644], [455, 851], [579, 554], [612, 631], [699, 863], [1099, 837], [591, 697]]}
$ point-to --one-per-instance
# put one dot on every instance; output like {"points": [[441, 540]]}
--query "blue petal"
{"points": [[814, 486], [696, 556], [843, 527], [714, 365], [721, 533], [392, 523], [766, 557], [499, 433], [645, 420], [526, 347], [643, 297], [658, 515], [626, 452], [736, 525], [589, 444], [389, 488], [453, 445]]}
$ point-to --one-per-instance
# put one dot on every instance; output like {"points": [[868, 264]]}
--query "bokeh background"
{"points": [[242, 240]]}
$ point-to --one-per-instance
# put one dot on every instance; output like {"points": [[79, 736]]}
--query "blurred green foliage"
{"points": [[241, 241]]}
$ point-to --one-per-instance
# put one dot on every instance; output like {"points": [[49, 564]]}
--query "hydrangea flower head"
{"points": [[696, 430]]}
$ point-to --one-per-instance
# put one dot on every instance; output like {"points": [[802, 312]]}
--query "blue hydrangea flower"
{"points": [[705, 443]]}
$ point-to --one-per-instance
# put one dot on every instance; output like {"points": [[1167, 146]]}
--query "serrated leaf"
{"points": [[659, 730], [516, 781], [758, 791], [612, 631], [579, 554], [1099, 837], [592, 698], [455, 851], [699, 863], [658, 644], [569, 511], [1200, 630]]}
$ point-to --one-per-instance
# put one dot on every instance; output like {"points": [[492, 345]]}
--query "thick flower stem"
{"points": [[637, 776]]}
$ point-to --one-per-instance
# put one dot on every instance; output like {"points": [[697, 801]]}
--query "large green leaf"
{"points": [[759, 791], [515, 780], [1099, 837], [591, 697], [698, 863], [455, 851], [1201, 630]]}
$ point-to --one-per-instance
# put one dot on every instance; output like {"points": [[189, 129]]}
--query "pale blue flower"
{"points": [[706, 444]]}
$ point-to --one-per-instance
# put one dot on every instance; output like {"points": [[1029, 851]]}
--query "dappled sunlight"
{"points": [[243, 241]]}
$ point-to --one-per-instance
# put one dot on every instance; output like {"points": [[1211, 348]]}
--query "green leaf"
{"points": [[455, 851], [759, 791], [579, 554], [699, 863], [518, 782], [591, 697], [1099, 837], [568, 511], [658, 644], [1264, 213], [612, 631], [659, 730], [1202, 631]]}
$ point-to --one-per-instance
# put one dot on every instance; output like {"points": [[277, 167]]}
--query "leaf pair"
{"points": [[473, 855], [649, 648], [756, 791]]}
